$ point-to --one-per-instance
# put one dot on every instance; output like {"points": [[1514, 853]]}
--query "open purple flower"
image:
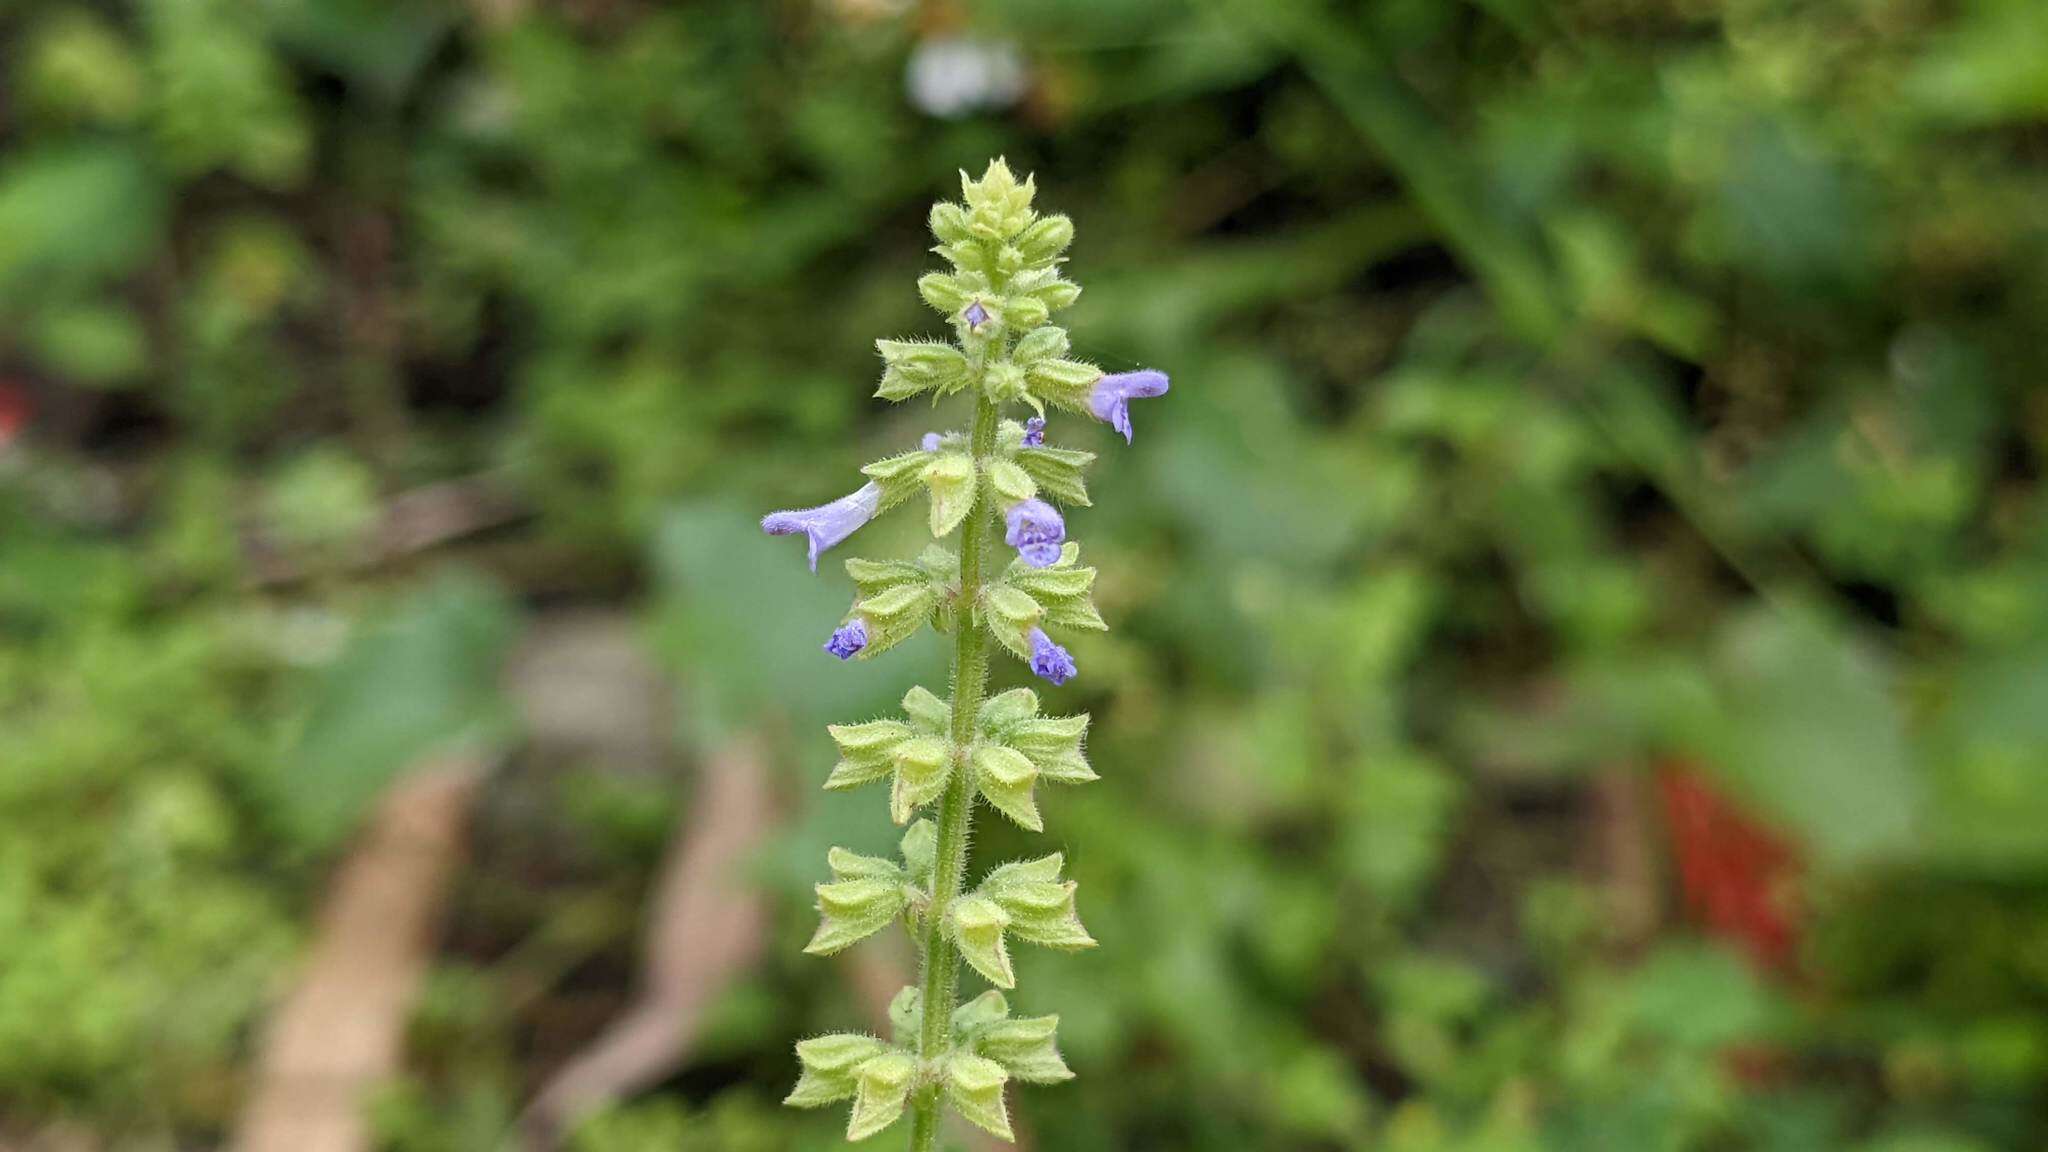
{"points": [[827, 524], [1111, 399], [975, 315], [849, 639], [1034, 432], [1035, 530], [1048, 659]]}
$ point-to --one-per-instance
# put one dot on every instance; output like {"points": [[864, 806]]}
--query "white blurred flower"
{"points": [[871, 9], [951, 76]]}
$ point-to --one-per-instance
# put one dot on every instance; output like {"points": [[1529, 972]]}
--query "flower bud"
{"points": [[949, 223], [894, 615], [867, 752], [967, 255], [1044, 343], [997, 206], [1045, 239], [881, 1086], [920, 849], [949, 480], [1040, 906], [974, 1087], [1025, 312], [1008, 484], [1057, 471], [1009, 260], [1027, 1048], [853, 909], [947, 292], [1053, 743], [910, 367], [1004, 776], [830, 1068], [1057, 294], [922, 767], [976, 924], [1010, 615], [927, 712], [1050, 661], [1003, 710], [1004, 382], [1064, 590], [1062, 383], [971, 1018], [906, 1013], [848, 639]]}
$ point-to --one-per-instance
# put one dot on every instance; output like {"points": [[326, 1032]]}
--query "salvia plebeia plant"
{"points": [[941, 756]]}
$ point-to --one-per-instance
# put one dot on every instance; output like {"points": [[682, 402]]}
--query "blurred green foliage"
{"points": [[1563, 392]]}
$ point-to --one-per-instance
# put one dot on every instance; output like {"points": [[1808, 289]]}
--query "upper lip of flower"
{"points": [[1110, 401], [827, 524], [1033, 522]]}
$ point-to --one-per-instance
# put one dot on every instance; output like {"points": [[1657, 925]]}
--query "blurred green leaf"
{"points": [[74, 214], [1988, 768], [1988, 68], [744, 621], [93, 344], [1697, 998], [1809, 728], [419, 680], [379, 45]]}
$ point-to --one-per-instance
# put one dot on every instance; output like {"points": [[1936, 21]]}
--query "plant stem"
{"points": [[956, 808]]}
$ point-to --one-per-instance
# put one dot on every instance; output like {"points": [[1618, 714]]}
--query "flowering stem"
{"points": [[1004, 285], [956, 807]]}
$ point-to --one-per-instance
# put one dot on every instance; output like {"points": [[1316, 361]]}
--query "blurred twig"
{"points": [[413, 521], [1624, 849], [705, 928], [341, 1032]]}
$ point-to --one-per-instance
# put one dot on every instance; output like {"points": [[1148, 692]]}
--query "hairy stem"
{"points": [[956, 808]]}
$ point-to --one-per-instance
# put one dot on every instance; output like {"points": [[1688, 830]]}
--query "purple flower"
{"points": [[1048, 659], [975, 315], [930, 443], [1034, 432], [850, 638], [1035, 531], [1111, 399], [827, 524]]}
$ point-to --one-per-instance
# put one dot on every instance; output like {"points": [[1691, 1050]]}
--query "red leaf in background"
{"points": [[15, 410], [1740, 878]]}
